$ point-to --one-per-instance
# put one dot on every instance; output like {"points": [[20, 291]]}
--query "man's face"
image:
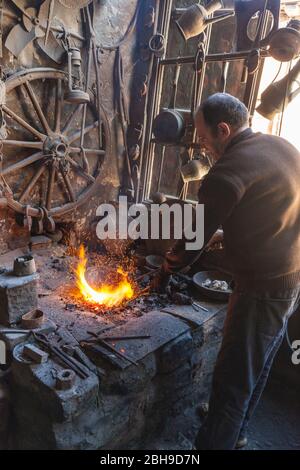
{"points": [[214, 144]]}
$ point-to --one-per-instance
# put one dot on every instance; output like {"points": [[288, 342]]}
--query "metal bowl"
{"points": [[154, 261], [209, 292]]}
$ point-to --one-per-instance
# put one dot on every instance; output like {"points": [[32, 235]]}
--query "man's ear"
{"points": [[224, 130]]}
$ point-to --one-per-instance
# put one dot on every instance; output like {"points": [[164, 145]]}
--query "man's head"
{"points": [[218, 119]]}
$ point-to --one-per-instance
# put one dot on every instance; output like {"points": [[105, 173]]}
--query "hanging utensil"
{"points": [[169, 125], [18, 38], [195, 19], [49, 21]]}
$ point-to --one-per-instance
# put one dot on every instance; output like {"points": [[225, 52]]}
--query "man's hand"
{"points": [[160, 281], [215, 241]]}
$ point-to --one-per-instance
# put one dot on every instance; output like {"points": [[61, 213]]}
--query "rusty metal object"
{"points": [[52, 48], [278, 94], [35, 354], [77, 4], [18, 39], [57, 149], [192, 171], [102, 342], [285, 42], [35, 26], [159, 198], [157, 45], [75, 94], [168, 126], [247, 12], [195, 19], [68, 361], [65, 379], [24, 266], [33, 319], [49, 20]]}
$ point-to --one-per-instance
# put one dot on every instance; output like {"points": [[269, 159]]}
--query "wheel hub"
{"points": [[56, 147]]}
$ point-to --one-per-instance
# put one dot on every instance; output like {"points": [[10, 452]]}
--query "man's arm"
{"points": [[219, 199]]}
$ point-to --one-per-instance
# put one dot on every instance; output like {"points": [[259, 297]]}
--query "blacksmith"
{"points": [[253, 192]]}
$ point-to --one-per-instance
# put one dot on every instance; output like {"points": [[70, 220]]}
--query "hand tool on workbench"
{"points": [[60, 354]]}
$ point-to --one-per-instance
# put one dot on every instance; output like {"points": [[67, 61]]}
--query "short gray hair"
{"points": [[222, 107]]}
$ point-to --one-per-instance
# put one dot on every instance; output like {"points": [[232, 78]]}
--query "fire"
{"points": [[107, 295]]}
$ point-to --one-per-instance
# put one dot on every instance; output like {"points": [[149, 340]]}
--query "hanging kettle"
{"points": [[195, 18]]}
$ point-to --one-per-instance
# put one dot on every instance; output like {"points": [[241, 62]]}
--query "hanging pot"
{"points": [[194, 170], [285, 42], [195, 18], [169, 126], [279, 93]]}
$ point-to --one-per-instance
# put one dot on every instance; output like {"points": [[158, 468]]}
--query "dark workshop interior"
{"points": [[99, 100]]}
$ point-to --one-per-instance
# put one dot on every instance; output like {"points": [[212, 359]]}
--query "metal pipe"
{"points": [[225, 57]]}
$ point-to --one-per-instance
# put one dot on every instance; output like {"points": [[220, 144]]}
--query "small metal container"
{"points": [[24, 266]]}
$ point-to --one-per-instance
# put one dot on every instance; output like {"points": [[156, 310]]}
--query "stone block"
{"points": [[18, 295], [175, 353]]}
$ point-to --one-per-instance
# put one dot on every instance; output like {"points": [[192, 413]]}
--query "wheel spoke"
{"points": [[37, 108], [94, 151], [23, 144], [31, 183], [68, 184], [23, 123], [52, 174], [71, 118], [80, 170], [21, 164], [58, 106], [78, 134]]}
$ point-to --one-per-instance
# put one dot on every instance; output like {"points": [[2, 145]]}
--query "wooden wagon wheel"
{"points": [[54, 151]]}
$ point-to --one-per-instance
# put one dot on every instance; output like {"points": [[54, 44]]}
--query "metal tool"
{"points": [[14, 331], [49, 21], [115, 351], [123, 338], [200, 306], [102, 342], [65, 358], [149, 273], [114, 338]]}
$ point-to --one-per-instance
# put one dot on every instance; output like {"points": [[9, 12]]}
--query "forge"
{"points": [[109, 362]]}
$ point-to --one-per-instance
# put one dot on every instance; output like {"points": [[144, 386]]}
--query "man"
{"points": [[253, 192]]}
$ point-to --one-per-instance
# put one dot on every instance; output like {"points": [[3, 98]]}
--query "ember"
{"points": [[108, 295]]}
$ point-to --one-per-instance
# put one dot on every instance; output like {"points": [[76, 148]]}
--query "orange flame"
{"points": [[107, 295]]}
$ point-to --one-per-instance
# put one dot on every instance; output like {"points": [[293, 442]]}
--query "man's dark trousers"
{"points": [[254, 329]]}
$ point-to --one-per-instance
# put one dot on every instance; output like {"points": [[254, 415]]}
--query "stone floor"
{"points": [[275, 424]]}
